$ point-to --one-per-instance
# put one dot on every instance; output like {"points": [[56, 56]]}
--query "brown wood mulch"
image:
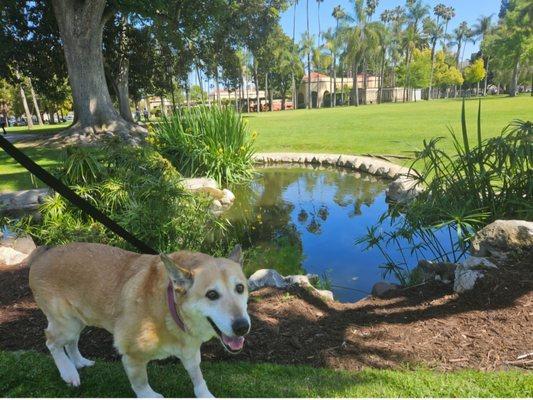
{"points": [[489, 328]]}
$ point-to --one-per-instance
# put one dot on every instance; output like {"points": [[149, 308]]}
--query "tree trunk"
{"points": [[294, 93], [266, 92], [514, 80], [309, 99], [24, 102], [434, 45], [35, 104], [487, 77], [333, 101], [355, 84], [81, 27], [256, 82], [121, 83], [381, 76], [163, 108], [218, 87]]}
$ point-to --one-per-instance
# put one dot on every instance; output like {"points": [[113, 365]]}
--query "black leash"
{"points": [[71, 196]]}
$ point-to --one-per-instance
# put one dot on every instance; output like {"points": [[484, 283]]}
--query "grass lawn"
{"points": [[395, 128], [30, 374], [392, 128], [39, 128]]}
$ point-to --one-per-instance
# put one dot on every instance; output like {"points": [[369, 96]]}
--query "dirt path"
{"points": [[487, 329]]}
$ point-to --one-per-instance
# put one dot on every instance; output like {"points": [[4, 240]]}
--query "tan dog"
{"points": [[155, 306]]}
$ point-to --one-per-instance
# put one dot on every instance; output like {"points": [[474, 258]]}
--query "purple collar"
{"points": [[172, 307]]}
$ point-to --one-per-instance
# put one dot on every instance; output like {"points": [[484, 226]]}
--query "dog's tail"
{"points": [[36, 254]]}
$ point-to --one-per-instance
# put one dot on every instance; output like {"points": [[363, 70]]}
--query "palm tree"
{"points": [[306, 47], [319, 29], [462, 33], [483, 26], [338, 13], [433, 31], [330, 44], [294, 93], [362, 36], [415, 12], [384, 42], [449, 13]]}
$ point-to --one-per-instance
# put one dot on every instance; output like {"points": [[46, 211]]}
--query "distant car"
{"points": [[69, 117], [12, 121]]}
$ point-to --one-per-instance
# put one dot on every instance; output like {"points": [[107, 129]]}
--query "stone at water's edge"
{"points": [[23, 200], [501, 237], [15, 250], [383, 288], [469, 272], [266, 278], [403, 190]]}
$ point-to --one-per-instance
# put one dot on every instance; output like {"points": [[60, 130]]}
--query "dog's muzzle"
{"points": [[233, 344]]}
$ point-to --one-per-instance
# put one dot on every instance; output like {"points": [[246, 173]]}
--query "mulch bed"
{"points": [[486, 329]]}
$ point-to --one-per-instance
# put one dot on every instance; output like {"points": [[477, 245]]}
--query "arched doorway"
{"points": [[314, 97], [326, 99], [301, 100]]}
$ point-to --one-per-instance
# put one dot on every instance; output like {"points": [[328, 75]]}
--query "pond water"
{"points": [[307, 220]]}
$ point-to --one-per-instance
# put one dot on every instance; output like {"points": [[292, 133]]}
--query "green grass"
{"points": [[14, 177], [30, 374], [44, 129], [392, 128]]}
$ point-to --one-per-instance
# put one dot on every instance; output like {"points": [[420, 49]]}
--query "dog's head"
{"points": [[213, 290]]}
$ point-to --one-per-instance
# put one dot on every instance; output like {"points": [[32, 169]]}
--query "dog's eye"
{"points": [[239, 288], [212, 295]]}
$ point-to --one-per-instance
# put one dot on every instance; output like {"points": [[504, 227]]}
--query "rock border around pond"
{"points": [[403, 189]]}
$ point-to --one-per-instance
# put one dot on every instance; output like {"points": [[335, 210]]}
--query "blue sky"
{"points": [[465, 10]]}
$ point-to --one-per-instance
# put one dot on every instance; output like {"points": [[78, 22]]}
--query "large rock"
{"points": [[501, 237], [325, 294], [266, 278], [222, 198], [10, 256], [23, 200], [469, 272], [383, 288], [403, 190]]}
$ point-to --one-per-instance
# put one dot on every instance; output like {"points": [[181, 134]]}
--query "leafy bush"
{"points": [[140, 190], [463, 192], [207, 141]]}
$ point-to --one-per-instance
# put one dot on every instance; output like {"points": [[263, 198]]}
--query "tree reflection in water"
{"points": [[297, 219]]}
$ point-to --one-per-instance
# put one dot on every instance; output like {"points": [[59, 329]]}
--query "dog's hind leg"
{"points": [[74, 353], [136, 371], [58, 334], [191, 362]]}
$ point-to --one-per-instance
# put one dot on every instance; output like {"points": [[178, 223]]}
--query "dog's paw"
{"points": [[83, 362], [203, 393], [71, 377], [149, 393]]}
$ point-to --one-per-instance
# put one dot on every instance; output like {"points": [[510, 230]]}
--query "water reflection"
{"points": [[300, 219]]}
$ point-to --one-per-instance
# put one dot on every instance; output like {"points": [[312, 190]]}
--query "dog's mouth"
{"points": [[232, 344]]}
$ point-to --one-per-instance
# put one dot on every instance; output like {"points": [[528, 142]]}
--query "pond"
{"points": [[307, 220]]}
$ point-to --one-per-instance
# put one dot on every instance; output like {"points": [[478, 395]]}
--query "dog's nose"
{"points": [[240, 326]]}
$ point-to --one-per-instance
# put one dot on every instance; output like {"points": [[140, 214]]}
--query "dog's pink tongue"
{"points": [[234, 343]]}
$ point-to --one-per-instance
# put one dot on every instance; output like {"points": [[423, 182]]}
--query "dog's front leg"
{"points": [[192, 366], [136, 371]]}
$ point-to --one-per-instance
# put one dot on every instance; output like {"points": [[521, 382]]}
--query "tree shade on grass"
{"points": [[31, 374]]}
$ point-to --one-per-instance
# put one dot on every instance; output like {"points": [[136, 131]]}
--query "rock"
{"points": [[24, 244], [325, 294], [23, 200], [465, 279], [440, 271], [382, 288], [478, 263], [194, 184], [299, 280], [469, 272], [403, 190], [10, 256], [501, 237], [228, 197], [266, 278]]}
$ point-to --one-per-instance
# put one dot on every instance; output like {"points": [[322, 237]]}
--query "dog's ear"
{"points": [[236, 254], [180, 277]]}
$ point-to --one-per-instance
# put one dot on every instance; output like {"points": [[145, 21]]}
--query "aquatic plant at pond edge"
{"points": [[207, 141], [477, 184]]}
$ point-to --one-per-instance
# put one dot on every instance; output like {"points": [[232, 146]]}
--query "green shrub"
{"points": [[140, 190], [207, 141], [463, 191]]}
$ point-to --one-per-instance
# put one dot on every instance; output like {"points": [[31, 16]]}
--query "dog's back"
{"points": [[84, 280]]}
